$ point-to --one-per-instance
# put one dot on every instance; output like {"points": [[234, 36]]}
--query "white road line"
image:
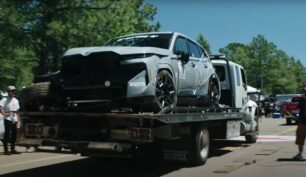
{"points": [[268, 138], [292, 129], [33, 161]]}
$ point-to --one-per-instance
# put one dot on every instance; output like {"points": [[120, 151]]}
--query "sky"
{"points": [[282, 22]]}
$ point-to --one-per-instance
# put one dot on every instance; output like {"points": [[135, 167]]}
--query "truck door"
{"points": [[241, 87]]}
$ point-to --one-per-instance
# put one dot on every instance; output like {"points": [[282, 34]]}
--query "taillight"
{"points": [[34, 129], [39, 130], [141, 134]]}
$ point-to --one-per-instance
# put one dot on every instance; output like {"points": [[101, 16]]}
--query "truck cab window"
{"points": [[243, 78], [237, 71], [220, 70]]}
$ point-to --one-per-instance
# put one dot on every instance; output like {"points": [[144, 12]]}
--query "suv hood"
{"points": [[85, 51]]}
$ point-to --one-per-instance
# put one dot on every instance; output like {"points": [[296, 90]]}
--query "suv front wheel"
{"points": [[165, 91]]}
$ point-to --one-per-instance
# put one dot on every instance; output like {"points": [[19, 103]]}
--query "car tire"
{"points": [[165, 91], [37, 97], [213, 95]]}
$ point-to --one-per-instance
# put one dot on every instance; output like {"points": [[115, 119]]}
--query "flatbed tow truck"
{"points": [[181, 133]]}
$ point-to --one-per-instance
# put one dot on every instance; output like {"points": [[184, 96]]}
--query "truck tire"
{"points": [[199, 150], [251, 138], [37, 97], [288, 121], [165, 94]]}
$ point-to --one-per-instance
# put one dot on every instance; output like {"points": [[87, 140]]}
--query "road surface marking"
{"points": [[228, 168], [287, 131], [33, 161], [266, 152], [269, 138]]}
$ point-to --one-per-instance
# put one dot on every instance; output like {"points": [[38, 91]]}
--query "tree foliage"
{"points": [[280, 72], [36, 33], [204, 43]]}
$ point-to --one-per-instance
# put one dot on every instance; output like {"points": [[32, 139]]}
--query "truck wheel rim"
{"points": [[204, 144]]}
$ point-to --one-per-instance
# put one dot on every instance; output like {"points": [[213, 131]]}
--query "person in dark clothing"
{"points": [[301, 128]]}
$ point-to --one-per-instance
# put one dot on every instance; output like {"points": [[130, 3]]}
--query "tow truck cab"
{"points": [[232, 81], [234, 93]]}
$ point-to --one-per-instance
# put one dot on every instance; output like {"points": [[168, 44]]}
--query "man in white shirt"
{"points": [[9, 108]]}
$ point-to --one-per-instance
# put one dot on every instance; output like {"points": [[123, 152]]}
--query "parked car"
{"points": [[291, 109], [271, 105], [144, 72], [284, 99]]}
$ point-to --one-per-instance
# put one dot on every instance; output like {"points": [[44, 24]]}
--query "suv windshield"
{"points": [[149, 40]]}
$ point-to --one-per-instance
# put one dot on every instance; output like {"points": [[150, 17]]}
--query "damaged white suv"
{"points": [[143, 72]]}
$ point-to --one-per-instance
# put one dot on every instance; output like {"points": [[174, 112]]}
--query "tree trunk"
{"points": [[43, 60]]}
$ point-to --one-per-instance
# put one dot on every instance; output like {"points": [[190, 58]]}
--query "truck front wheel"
{"points": [[200, 146], [288, 121]]}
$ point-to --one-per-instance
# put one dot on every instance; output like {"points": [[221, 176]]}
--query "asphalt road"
{"points": [[271, 156]]}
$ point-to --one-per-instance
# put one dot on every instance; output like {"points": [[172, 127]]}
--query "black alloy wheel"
{"points": [[213, 94], [165, 94]]}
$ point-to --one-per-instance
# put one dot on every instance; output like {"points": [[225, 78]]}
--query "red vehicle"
{"points": [[291, 109]]}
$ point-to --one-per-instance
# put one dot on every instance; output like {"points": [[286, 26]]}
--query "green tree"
{"points": [[43, 30], [280, 73], [204, 43]]}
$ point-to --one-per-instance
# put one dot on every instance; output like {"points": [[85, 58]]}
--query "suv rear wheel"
{"points": [[37, 97], [213, 94]]}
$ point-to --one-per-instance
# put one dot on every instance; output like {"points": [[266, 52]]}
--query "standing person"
{"points": [[301, 129], [9, 108]]}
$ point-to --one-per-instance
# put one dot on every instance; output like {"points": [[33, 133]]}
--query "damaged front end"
{"points": [[102, 82]]}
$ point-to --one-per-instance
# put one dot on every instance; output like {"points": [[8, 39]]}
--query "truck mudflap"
{"points": [[78, 146]]}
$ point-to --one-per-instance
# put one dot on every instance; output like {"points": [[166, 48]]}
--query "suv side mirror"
{"points": [[183, 56]]}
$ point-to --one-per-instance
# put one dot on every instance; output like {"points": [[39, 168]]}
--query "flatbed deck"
{"points": [[168, 115]]}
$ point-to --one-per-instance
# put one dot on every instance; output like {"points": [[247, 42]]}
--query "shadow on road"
{"points": [[217, 148], [93, 167], [289, 160], [106, 167]]}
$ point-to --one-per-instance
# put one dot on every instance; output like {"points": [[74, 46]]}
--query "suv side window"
{"points": [[202, 52], [194, 51], [180, 46]]}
